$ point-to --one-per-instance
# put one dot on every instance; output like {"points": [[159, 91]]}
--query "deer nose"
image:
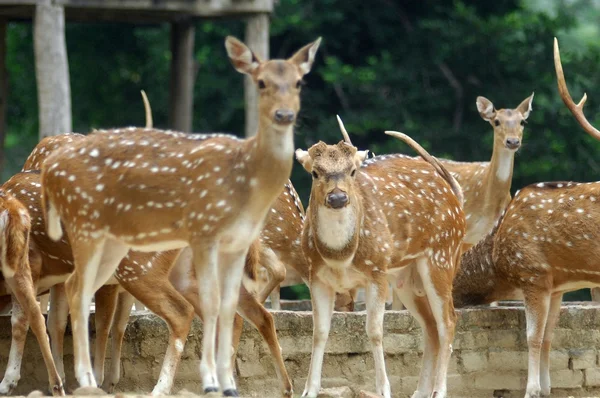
{"points": [[284, 116], [337, 200], [513, 143]]}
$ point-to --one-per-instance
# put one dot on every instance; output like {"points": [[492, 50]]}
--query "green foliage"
{"points": [[414, 66]]}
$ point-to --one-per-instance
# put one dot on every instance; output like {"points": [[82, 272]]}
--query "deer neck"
{"points": [[500, 172], [271, 154], [336, 232]]}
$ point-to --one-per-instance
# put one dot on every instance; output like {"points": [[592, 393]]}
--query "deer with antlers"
{"points": [[544, 245], [211, 194], [370, 222]]}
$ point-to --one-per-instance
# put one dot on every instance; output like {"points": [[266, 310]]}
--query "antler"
{"points": [[576, 109], [344, 132], [433, 161], [148, 110]]}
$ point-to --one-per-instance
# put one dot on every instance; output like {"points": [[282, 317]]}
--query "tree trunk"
{"points": [[182, 76], [257, 38], [52, 70]]}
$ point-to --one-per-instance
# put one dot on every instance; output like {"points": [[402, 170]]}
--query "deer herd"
{"points": [[210, 225]]}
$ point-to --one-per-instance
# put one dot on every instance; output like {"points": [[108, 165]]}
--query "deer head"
{"points": [[507, 123], [333, 168], [278, 81]]}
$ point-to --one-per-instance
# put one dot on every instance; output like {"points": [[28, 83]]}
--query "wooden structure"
{"points": [[52, 70]]}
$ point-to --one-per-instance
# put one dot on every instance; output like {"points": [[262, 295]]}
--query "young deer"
{"points": [[486, 185], [212, 194], [542, 247], [20, 273], [371, 222]]}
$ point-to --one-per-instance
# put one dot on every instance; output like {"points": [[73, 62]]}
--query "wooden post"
{"points": [[3, 90], [257, 38], [52, 69], [182, 76]]}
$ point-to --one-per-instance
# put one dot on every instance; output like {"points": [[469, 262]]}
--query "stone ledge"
{"points": [[489, 354]]}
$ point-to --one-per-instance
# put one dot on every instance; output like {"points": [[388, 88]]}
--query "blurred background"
{"points": [[413, 66]]}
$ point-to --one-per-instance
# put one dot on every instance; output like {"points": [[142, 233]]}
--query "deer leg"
{"points": [[230, 277], [439, 296], [553, 315], [251, 309], [322, 297], [124, 304], [206, 266], [20, 326], [57, 324], [595, 292], [537, 307], [22, 287], [421, 311], [375, 295], [95, 261], [277, 272], [106, 304], [166, 302], [397, 304]]}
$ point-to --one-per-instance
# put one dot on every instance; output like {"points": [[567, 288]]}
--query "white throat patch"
{"points": [[335, 228], [504, 165]]}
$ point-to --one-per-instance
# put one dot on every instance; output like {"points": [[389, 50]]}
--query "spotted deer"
{"points": [[371, 222], [486, 185], [543, 246], [154, 190], [20, 266]]}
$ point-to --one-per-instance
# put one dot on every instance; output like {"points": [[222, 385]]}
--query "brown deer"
{"points": [[20, 273], [486, 185], [180, 272], [542, 247], [390, 219], [154, 190]]}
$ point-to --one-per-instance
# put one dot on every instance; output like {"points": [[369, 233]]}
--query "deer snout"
{"points": [[284, 116], [337, 199], [513, 143]]}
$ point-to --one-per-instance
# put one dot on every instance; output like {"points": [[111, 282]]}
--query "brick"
{"points": [[400, 343], [583, 359], [559, 359], [336, 392], [500, 380], [508, 360], [474, 361], [566, 378], [367, 394], [592, 377]]}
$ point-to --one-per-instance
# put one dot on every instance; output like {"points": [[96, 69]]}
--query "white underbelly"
{"points": [[47, 282], [570, 286]]}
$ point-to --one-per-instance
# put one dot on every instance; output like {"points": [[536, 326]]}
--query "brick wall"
{"points": [[490, 354]]}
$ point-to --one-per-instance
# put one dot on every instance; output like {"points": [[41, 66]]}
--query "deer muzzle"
{"points": [[284, 116], [336, 199], [512, 143]]}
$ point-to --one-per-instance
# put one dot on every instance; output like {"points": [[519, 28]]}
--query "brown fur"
{"points": [[398, 209], [486, 194], [18, 279]]}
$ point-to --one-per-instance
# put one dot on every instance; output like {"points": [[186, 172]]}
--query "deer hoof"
{"points": [[232, 392], [208, 390]]}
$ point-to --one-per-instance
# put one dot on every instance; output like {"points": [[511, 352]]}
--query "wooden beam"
{"points": [[52, 70], [257, 38], [182, 76], [3, 91]]}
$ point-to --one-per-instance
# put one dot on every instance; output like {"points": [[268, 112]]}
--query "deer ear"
{"points": [[241, 57], [305, 57], [360, 157], [485, 108], [305, 160], [525, 107]]}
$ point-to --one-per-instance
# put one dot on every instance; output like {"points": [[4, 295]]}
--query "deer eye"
{"points": [[261, 84], [299, 83], [353, 173], [315, 175], [496, 122], [523, 122]]}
